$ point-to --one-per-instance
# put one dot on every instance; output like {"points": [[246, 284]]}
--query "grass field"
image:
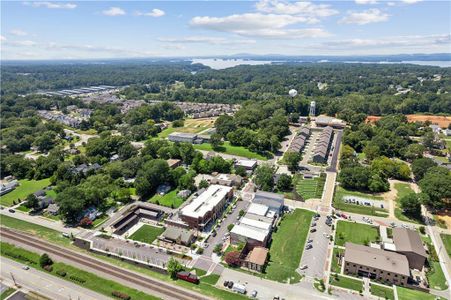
{"points": [[446, 238], [232, 150], [436, 278], [335, 267], [382, 292], [34, 229], [210, 279], [310, 188], [347, 283], [408, 294], [147, 234], [100, 220], [6, 293], [191, 126], [169, 200], [74, 275], [25, 188], [355, 233], [403, 189], [287, 246], [338, 203]]}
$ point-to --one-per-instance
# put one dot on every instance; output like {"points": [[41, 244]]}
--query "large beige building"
{"points": [[408, 242], [387, 266]]}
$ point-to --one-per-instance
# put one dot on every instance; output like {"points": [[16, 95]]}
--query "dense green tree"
{"points": [[284, 183], [264, 177], [420, 166], [216, 141], [292, 160]]}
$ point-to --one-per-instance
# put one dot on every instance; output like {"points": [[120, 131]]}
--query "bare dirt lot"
{"points": [[442, 121]]}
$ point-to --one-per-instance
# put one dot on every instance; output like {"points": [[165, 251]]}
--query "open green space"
{"points": [[190, 126], [72, 274], [446, 239], [335, 267], [34, 229], [403, 189], [23, 208], [346, 282], [287, 246], [100, 220], [409, 294], [169, 200], [339, 203], [227, 148], [384, 292], [210, 279], [6, 293], [147, 234], [435, 276], [310, 188], [25, 188], [355, 233]]}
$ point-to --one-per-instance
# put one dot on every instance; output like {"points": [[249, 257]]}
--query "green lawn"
{"points": [[403, 190], [23, 208], [100, 220], [335, 267], [169, 200], [310, 188], [287, 246], [190, 126], [408, 294], [347, 283], [34, 229], [6, 293], [232, 150], [382, 291], [446, 238], [25, 188], [435, 276], [147, 234], [210, 279], [355, 233], [74, 275], [339, 204]]}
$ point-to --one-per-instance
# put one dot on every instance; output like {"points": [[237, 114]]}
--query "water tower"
{"points": [[312, 109]]}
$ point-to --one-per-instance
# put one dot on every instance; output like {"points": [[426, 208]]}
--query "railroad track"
{"points": [[161, 287]]}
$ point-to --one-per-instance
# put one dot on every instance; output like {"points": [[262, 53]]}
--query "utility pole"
{"points": [[14, 279]]}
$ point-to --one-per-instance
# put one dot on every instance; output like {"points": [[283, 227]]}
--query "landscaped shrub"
{"points": [[48, 268], [61, 273], [120, 295], [45, 260], [77, 279]]}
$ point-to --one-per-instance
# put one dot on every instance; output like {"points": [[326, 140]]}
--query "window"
{"points": [[396, 275], [388, 273]]}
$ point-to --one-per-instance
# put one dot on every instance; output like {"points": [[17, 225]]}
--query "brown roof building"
{"points": [[408, 242], [390, 267], [256, 259]]}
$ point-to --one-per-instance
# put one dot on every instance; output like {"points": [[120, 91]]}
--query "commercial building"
{"points": [[408, 242], [323, 121], [273, 201], [206, 207], [8, 187], [322, 146], [386, 266], [136, 212], [250, 235], [247, 164], [178, 235], [182, 137], [227, 179]]}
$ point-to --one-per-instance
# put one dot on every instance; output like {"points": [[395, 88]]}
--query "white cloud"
{"points": [[410, 1], [24, 43], [366, 2], [156, 13], [18, 32], [51, 5], [372, 15], [114, 11], [206, 40], [301, 8], [259, 25], [2, 38]]}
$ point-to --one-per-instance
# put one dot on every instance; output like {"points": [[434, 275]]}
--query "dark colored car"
{"points": [[313, 230], [226, 283], [230, 285]]}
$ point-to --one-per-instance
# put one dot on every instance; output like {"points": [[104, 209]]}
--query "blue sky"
{"points": [[116, 29]]}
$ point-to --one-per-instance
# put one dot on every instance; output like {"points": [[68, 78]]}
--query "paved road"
{"points": [[45, 284], [334, 162]]}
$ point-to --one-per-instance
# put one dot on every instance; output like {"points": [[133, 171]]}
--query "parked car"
{"points": [[313, 224], [226, 283], [25, 267], [230, 285], [11, 210], [309, 246], [304, 267], [187, 276], [254, 294], [313, 230], [239, 288], [310, 241]]}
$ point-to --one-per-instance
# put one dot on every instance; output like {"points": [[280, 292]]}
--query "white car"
{"points": [[25, 267], [304, 267]]}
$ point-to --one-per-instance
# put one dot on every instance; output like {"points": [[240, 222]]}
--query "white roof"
{"points": [[258, 209], [250, 232], [206, 201], [390, 246], [255, 223], [246, 163]]}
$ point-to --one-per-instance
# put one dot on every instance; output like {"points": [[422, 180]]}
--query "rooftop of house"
{"points": [[407, 240]]}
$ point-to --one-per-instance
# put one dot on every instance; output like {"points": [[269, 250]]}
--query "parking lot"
{"points": [[315, 257], [364, 201]]}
